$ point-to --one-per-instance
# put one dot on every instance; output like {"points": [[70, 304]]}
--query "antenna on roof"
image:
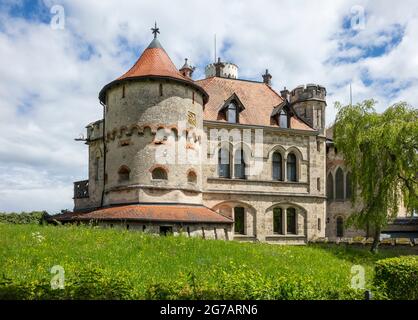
{"points": [[215, 48]]}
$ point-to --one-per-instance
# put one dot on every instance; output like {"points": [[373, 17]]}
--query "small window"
{"points": [[166, 230], [330, 187], [232, 113], [283, 119], [348, 190], [291, 220], [224, 169], [159, 174], [124, 173], [193, 96], [161, 89], [291, 168], [277, 166], [239, 164], [239, 220], [277, 221], [340, 227], [318, 146], [318, 184], [191, 177], [96, 169], [319, 224], [123, 91], [339, 184]]}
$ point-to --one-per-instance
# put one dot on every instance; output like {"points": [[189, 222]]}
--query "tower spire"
{"points": [[155, 30]]}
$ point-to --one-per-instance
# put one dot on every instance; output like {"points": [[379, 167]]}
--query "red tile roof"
{"points": [[258, 98], [153, 62], [156, 213]]}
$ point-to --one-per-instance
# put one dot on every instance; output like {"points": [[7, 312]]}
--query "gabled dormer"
{"points": [[231, 109], [282, 114]]}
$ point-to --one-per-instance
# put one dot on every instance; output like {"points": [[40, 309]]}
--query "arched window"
{"points": [[159, 174], [277, 221], [291, 167], [339, 184], [277, 166], [283, 119], [191, 177], [123, 173], [291, 220], [232, 113], [330, 187], [224, 169], [340, 227], [348, 186], [239, 220], [239, 164]]}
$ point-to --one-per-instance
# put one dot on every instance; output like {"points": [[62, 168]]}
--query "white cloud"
{"points": [[48, 88]]}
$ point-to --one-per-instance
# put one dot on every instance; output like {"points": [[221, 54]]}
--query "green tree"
{"points": [[381, 150]]}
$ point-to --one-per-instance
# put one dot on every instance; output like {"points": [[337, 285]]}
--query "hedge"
{"points": [[398, 277], [89, 284], [37, 217]]}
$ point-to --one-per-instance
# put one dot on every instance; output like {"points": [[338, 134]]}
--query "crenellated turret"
{"points": [[309, 102]]}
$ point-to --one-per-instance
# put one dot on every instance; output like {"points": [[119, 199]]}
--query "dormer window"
{"points": [[231, 109], [283, 119], [232, 113]]}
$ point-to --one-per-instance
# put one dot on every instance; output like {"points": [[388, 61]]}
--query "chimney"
{"points": [[285, 94], [219, 66], [267, 78]]}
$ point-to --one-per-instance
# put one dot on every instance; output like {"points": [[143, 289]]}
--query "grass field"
{"points": [[27, 253]]}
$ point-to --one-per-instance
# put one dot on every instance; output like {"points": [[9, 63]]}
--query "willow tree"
{"points": [[381, 150]]}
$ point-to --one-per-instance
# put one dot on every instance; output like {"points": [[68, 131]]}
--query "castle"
{"points": [[220, 157]]}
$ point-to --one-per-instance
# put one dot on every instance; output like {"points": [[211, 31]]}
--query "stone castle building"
{"points": [[220, 157]]}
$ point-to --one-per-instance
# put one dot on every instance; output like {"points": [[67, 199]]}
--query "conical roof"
{"points": [[153, 63]]}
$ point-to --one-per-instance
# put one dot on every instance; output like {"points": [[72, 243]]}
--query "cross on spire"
{"points": [[155, 30]]}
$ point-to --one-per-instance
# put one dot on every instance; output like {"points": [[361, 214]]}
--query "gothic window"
{"points": [[277, 166], [291, 220], [330, 187], [159, 174], [348, 186], [340, 227], [224, 170], [123, 173], [239, 220], [192, 177], [291, 167], [239, 164], [277, 221], [339, 184], [283, 119]]}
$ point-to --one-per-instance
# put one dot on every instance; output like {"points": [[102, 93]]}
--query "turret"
{"points": [[309, 102], [150, 111], [221, 69]]}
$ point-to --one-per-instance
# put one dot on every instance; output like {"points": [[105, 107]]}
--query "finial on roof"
{"points": [[155, 30]]}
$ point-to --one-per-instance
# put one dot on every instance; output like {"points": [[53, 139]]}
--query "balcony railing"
{"points": [[81, 189]]}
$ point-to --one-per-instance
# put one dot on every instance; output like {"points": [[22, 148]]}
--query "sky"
{"points": [[57, 55]]}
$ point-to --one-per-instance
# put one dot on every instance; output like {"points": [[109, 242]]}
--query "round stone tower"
{"points": [[309, 102], [153, 128]]}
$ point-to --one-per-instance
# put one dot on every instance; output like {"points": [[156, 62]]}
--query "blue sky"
{"points": [[51, 77]]}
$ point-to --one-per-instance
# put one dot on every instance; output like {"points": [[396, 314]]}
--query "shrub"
{"points": [[88, 284], [398, 277], [37, 217]]}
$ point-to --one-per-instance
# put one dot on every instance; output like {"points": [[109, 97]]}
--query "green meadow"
{"points": [[154, 267]]}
